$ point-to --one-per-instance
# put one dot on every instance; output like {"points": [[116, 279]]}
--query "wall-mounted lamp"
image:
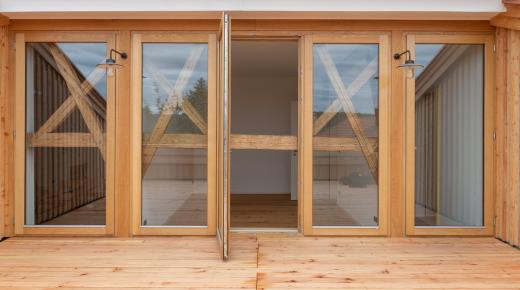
{"points": [[110, 63], [409, 64]]}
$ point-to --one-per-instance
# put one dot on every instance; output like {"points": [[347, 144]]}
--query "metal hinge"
{"points": [[494, 135], [14, 133], [494, 47]]}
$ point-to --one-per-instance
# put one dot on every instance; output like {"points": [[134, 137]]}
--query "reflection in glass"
{"points": [[66, 102], [449, 135], [345, 113], [174, 124]]}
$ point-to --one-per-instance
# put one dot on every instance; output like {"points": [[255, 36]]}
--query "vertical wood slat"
{"points": [[507, 144], [4, 127]]}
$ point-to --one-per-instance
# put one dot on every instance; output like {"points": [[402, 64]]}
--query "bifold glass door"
{"points": [[345, 142], [174, 91]]}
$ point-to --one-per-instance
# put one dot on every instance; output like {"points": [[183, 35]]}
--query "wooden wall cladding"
{"points": [[507, 167], [5, 135]]}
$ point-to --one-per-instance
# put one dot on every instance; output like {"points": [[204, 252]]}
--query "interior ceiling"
{"points": [[264, 58]]}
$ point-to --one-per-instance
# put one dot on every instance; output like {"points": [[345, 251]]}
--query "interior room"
{"points": [[264, 102]]}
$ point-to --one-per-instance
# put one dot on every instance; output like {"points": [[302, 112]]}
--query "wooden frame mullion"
{"points": [[487, 40], [383, 40], [21, 39], [170, 37]]}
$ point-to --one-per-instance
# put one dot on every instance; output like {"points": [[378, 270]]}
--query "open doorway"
{"points": [[264, 103]]}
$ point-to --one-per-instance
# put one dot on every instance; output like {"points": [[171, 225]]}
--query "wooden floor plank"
{"points": [[258, 261]]}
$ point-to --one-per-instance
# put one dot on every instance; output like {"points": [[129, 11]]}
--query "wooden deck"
{"points": [[262, 261]]}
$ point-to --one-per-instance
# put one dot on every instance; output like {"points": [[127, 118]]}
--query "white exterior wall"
{"points": [[420, 9]]}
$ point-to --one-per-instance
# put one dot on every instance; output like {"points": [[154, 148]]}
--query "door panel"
{"points": [[223, 151], [175, 105], [449, 136], [345, 144], [65, 113]]}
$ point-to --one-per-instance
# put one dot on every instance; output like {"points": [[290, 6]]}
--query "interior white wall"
{"points": [[262, 91], [261, 106]]}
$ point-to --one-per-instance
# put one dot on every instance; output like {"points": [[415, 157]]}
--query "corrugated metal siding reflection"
{"points": [[461, 148], [449, 142], [65, 178]]}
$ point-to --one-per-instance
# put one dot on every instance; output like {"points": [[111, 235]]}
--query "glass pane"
{"points": [[345, 113], [449, 135], [174, 121], [66, 102]]}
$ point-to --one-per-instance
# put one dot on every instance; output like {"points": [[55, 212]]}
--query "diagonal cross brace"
{"points": [[350, 111], [169, 108], [79, 95], [368, 72], [68, 105]]}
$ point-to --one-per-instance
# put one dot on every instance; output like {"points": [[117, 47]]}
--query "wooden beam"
{"points": [[340, 143], [177, 141], [80, 96], [265, 142], [194, 116], [350, 111], [505, 21], [368, 72], [61, 140], [257, 142], [171, 104]]}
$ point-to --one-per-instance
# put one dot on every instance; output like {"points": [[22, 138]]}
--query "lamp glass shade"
{"points": [[109, 63]]}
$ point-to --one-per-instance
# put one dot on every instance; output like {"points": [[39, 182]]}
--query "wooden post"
{"points": [[5, 130], [507, 128]]}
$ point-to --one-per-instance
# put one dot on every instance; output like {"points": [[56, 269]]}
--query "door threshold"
{"points": [[264, 230]]}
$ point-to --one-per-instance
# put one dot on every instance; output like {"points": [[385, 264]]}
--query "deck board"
{"points": [[266, 261]]}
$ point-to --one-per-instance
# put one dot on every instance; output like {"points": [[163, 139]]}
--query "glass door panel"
{"points": [[345, 190], [449, 138], [348, 82], [66, 103], [176, 99], [174, 108]]}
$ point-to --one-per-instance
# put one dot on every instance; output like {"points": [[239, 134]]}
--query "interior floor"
{"points": [[90, 214], [263, 211]]}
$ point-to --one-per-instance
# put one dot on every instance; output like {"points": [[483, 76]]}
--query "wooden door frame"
{"points": [[383, 40], [138, 39], [487, 229], [21, 38]]}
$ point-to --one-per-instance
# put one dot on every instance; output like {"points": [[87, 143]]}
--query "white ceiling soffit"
{"points": [[263, 9]]}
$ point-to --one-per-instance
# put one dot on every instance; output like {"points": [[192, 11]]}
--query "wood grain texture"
{"points": [[123, 142], [4, 112], [261, 261], [397, 141], [507, 114]]}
